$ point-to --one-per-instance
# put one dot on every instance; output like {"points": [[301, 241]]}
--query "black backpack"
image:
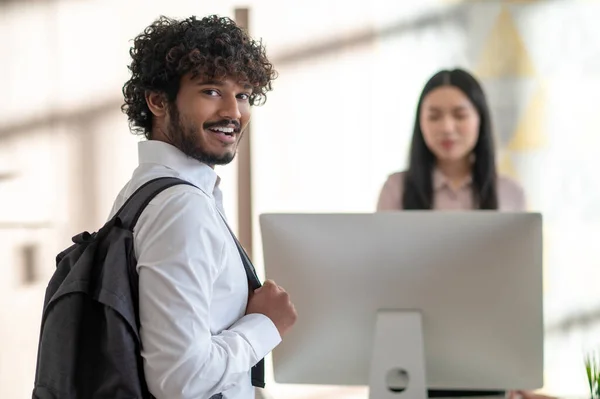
{"points": [[89, 344]]}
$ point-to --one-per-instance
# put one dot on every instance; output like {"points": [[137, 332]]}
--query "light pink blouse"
{"points": [[511, 196]]}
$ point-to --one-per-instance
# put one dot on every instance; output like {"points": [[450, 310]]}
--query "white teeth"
{"points": [[223, 129]]}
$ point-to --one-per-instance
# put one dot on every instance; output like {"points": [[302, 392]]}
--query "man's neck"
{"points": [[161, 137]]}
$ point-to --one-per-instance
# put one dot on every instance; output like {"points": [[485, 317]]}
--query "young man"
{"points": [[192, 86]]}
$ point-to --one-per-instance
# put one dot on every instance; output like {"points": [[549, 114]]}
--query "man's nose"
{"points": [[230, 108]]}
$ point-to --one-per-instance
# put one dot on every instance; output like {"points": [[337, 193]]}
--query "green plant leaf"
{"points": [[588, 370]]}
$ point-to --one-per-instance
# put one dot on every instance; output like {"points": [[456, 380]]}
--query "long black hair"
{"points": [[418, 181]]}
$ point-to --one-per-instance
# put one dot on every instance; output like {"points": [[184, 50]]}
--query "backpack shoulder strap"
{"points": [[248, 266], [137, 202]]}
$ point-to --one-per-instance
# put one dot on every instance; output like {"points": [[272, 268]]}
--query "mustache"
{"points": [[224, 123]]}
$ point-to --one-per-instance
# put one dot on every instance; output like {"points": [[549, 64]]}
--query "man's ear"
{"points": [[157, 103]]}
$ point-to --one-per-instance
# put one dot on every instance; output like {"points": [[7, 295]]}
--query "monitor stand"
{"points": [[398, 335]]}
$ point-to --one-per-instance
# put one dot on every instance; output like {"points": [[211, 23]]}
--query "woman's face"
{"points": [[450, 124]]}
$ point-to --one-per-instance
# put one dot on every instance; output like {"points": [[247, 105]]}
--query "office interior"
{"points": [[337, 123]]}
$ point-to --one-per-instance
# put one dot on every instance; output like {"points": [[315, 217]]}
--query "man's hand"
{"points": [[272, 301], [527, 395]]}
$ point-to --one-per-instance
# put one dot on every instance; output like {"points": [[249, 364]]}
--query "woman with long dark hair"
{"points": [[452, 156]]}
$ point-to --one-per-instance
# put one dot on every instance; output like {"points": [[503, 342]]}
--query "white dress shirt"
{"points": [[197, 340]]}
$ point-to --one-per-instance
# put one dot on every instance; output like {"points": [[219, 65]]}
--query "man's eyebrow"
{"points": [[214, 82], [211, 82]]}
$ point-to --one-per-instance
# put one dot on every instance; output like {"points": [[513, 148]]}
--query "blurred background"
{"points": [[336, 125]]}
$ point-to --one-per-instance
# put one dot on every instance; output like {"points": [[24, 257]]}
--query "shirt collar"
{"points": [[191, 170], [440, 181]]}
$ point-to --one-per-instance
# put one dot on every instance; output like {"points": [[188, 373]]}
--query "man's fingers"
{"points": [[268, 283]]}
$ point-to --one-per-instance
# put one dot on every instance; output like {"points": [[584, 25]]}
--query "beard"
{"points": [[187, 138]]}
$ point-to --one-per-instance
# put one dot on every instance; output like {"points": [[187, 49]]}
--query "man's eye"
{"points": [[244, 96], [211, 92]]}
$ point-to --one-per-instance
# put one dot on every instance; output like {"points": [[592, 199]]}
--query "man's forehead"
{"points": [[221, 81]]}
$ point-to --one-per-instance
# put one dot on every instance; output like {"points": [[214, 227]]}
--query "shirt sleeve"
{"points": [[180, 247], [511, 195], [390, 197], [520, 199]]}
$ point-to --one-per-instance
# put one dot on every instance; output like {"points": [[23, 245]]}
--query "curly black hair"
{"points": [[213, 47]]}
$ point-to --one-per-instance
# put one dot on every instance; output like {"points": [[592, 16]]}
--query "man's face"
{"points": [[208, 118]]}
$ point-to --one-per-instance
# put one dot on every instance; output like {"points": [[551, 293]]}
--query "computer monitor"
{"points": [[475, 279]]}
